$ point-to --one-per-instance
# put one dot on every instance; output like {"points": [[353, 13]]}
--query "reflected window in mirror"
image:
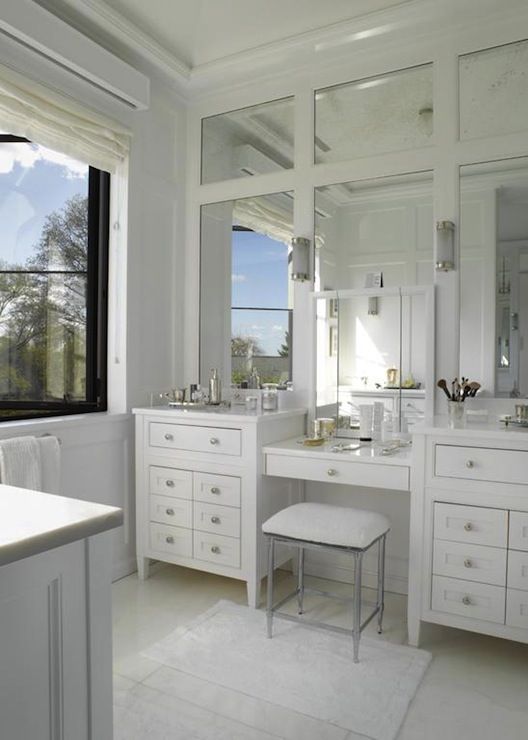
{"points": [[494, 276], [376, 227], [388, 113], [248, 142], [492, 82], [246, 295]]}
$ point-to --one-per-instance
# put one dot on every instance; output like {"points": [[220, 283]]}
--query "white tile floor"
{"points": [[475, 689]]}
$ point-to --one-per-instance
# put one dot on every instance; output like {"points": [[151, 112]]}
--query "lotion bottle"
{"points": [[215, 389]]}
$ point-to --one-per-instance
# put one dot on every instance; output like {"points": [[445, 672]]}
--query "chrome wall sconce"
{"points": [[373, 307], [300, 259], [445, 246]]}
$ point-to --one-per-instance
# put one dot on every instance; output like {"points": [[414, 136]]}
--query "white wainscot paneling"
{"points": [[395, 505]]}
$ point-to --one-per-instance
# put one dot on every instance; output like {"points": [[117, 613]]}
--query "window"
{"points": [[261, 321], [54, 213]]}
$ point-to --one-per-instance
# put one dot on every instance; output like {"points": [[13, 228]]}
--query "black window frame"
{"points": [[96, 310]]}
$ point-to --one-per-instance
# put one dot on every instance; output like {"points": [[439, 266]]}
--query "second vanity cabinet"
{"points": [[201, 495], [469, 531]]}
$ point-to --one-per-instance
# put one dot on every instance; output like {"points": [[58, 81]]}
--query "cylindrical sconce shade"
{"points": [[300, 258], [373, 306], [445, 246]]}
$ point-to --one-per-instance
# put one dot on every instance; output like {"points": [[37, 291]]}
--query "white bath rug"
{"points": [[305, 670]]}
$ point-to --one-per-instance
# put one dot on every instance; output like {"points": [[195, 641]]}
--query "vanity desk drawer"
{"points": [[374, 475], [166, 510], [467, 599], [518, 570], [476, 525], [175, 541], [214, 440], [215, 548], [519, 530], [470, 562], [481, 464], [223, 520], [216, 489], [170, 482], [517, 608]]}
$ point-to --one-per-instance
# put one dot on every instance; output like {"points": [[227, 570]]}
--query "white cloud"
{"points": [[27, 155], [276, 327], [238, 278]]}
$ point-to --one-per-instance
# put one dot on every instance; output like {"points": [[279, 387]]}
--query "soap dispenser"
{"points": [[215, 388]]}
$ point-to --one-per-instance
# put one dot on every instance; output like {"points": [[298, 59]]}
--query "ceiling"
{"points": [[197, 32]]}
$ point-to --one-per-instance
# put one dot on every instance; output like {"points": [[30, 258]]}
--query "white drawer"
{"points": [[170, 482], [519, 530], [467, 599], [218, 519], [470, 562], [517, 608], [471, 524], [175, 541], [518, 570], [217, 549], [216, 489], [195, 439], [375, 475], [173, 511], [481, 463]]}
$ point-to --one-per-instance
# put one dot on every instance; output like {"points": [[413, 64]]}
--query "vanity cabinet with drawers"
{"points": [[469, 531], [201, 495]]}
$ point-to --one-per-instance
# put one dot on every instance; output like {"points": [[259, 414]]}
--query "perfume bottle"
{"points": [[215, 388]]}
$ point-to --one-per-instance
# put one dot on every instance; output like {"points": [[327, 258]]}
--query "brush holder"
{"points": [[456, 415]]}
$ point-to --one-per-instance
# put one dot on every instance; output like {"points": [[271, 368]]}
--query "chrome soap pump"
{"points": [[215, 388]]}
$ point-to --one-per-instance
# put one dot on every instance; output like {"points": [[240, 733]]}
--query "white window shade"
{"points": [[41, 115]]}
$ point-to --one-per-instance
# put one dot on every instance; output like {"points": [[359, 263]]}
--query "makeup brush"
{"points": [[443, 385], [474, 388]]}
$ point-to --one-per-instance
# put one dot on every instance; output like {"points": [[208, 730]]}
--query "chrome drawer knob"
{"points": [[214, 440], [215, 520], [466, 601], [331, 472], [169, 483], [215, 549], [215, 490], [468, 563], [170, 512], [169, 539], [470, 464], [468, 526], [169, 437]]}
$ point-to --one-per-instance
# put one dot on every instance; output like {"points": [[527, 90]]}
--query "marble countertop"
{"points": [[32, 522], [369, 452], [219, 413]]}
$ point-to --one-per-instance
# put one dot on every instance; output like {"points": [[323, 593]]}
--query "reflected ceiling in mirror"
{"points": [[372, 227], [388, 113], [494, 276], [247, 142], [246, 296]]}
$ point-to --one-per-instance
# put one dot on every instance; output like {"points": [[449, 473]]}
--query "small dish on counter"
{"points": [[313, 441]]}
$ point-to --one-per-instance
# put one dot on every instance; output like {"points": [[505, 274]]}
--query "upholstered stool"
{"points": [[338, 528]]}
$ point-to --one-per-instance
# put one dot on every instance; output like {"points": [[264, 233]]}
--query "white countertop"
{"points": [[492, 429], [32, 522], [219, 413], [367, 453]]}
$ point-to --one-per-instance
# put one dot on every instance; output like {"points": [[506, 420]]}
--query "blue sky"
{"points": [[34, 181], [260, 279]]}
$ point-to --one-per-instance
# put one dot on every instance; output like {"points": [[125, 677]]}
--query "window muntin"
{"points": [[53, 276]]}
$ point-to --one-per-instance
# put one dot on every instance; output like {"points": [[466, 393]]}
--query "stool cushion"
{"points": [[328, 525]]}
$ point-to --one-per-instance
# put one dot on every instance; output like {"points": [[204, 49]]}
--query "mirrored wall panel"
{"points": [[494, 276], [375, 232], [246, 295], [372, 354], [388, 113], [247, 142], [494, 91]]}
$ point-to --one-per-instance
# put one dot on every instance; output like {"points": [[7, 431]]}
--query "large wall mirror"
{"points": [[374, 247], [246, 296], [494, 276]]}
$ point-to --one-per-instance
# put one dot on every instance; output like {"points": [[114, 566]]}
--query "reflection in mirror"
{"points": [[246, 142], [388, 113], [494, 276], [372, 352], [246, 296], [375, 226]]}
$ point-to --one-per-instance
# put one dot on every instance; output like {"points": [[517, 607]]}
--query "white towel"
{"points": [[20, 463], [50, 464]]}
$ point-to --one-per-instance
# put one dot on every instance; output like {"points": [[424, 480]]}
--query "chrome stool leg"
{"points": [[356, 629], [269, 605], [381, 582], [300, 581]]}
